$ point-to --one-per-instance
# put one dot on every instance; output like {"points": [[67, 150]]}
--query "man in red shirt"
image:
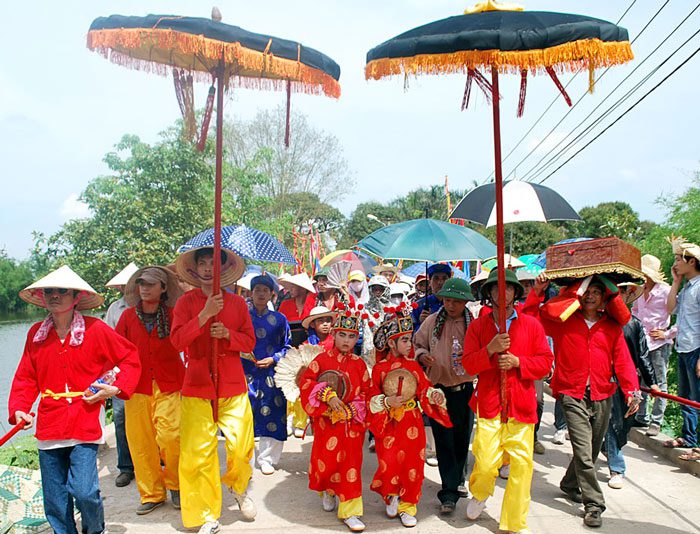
{"points": [[199, 317], [153, 412], [591, 358], [65, 354], [523, 353]]}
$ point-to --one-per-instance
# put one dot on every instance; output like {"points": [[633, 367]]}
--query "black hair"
{"points": [[208, 251]]}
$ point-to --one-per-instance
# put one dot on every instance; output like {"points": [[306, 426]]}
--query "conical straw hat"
{"points": [[172, 288], [62, 278], [301, 280], [231, 271], [122, 277]]}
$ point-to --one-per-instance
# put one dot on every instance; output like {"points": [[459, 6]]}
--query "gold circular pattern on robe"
{"points": [[412, 475], [332, 443], [341, 456], [412, 432], [382, 466], [353, 434], [395, 480], [335, 478], [376, 484], [351, 475], [422, 454], [272, 427], [390, 386], [314, 366], [265, 410], [401, 457], [321, 466], [322, 424], [388, 442]]}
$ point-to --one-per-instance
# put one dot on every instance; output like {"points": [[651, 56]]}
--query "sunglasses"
{"points": [[50, 290]]}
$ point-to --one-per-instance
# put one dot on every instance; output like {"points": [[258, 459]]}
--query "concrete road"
{"points": [[658, 498]]}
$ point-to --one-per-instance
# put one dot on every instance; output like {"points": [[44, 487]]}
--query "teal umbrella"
{"points": [[427, 240]]}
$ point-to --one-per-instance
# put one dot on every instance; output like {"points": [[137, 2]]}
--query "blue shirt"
{"points": [[434, 305], [688, 317]]}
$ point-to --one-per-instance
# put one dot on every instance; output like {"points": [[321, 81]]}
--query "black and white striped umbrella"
{"points": [[522, 201]]}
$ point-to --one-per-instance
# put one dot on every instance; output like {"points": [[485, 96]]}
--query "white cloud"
{"points": [[73, 208]]}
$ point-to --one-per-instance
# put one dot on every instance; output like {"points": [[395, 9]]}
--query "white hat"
{"points": [[481, 277], [153, 273], [245, 281], [122, 277], [510, 261], [399, 288], [651, 267], [522, 274], [301, 280], [62, 278], [378, 280], [231, 270], [316, 313]]}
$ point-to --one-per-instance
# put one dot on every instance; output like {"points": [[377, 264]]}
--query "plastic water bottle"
{"points": [[108, 378], [457, 357]]}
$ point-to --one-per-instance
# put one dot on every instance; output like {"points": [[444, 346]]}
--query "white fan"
{"points": [[290, 368], [338, 274]]}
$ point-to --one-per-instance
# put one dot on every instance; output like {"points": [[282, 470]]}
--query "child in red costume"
{"points": [[398, 384], [338, 420]]}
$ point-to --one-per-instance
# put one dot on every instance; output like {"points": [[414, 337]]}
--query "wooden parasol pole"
{"points": [[218, 186], [500, 236]]}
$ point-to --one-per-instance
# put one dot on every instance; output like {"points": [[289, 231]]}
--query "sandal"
{"points": [[692, 456], [675, 443]]}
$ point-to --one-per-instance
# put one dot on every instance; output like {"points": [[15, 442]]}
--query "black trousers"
{"points": [[452, 444]]}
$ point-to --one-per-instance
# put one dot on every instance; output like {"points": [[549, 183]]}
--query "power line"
{"points": [[556, 98], [537, 170], [534, 149], [625, 113]]}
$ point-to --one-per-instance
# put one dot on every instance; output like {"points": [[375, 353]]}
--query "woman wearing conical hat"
{"points": [[63, 356], [153, 412]]}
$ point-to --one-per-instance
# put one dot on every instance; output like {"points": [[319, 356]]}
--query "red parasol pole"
{"points": [[500, 237], [218, 186], [674, 398], [19, 426]]}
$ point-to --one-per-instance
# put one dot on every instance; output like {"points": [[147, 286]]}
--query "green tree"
{"points": [[14, 276], [616, 219], [359, 225], [155, 198]]}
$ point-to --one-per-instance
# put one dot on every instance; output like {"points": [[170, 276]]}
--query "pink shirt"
{"points": [[653, 314]]}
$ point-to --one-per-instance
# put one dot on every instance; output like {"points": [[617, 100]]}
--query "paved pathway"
{"points": [[658, 498]]}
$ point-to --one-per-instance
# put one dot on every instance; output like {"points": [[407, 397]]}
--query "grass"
{"points": [[22, 452]]}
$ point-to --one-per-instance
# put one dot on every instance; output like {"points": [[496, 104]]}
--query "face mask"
{"points": [[355, 286]]}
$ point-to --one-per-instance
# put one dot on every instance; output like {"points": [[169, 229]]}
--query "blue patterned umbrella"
{"points": [[420, 268], [245, 241]]}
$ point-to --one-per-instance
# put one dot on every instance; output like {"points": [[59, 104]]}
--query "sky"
{"points": [[62, 107]]}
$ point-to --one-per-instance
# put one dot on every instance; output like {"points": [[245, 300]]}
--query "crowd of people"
{"points": [[408, 368]]}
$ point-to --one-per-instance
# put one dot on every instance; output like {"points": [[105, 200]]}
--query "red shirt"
{"points": [[185, 333], [160, 361], [289, 309], [52, 365], [582, 354], [529, 344]]}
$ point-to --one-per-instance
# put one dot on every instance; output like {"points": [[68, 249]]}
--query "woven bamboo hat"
{"points": [[651, 267], [232, 269], [62, 278]]}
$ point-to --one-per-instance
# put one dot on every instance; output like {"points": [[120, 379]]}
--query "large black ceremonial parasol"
{"points": [[502, 39]]}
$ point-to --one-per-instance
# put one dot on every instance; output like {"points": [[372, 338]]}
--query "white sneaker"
{"points": [[524, 531], [299, 433], [504, 471], [246, 505], [408, 520], [328, 502], [371, 445], [559, 437], [617, 480], [475, 507], [266, 469], [392, 509], [210, 527], [431, 461], [354, 524]]}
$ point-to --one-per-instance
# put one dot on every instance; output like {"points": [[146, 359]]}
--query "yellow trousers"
{"points": [[491, 440], [301, 418], [350, 508], [200, 475], [153, 432]]}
